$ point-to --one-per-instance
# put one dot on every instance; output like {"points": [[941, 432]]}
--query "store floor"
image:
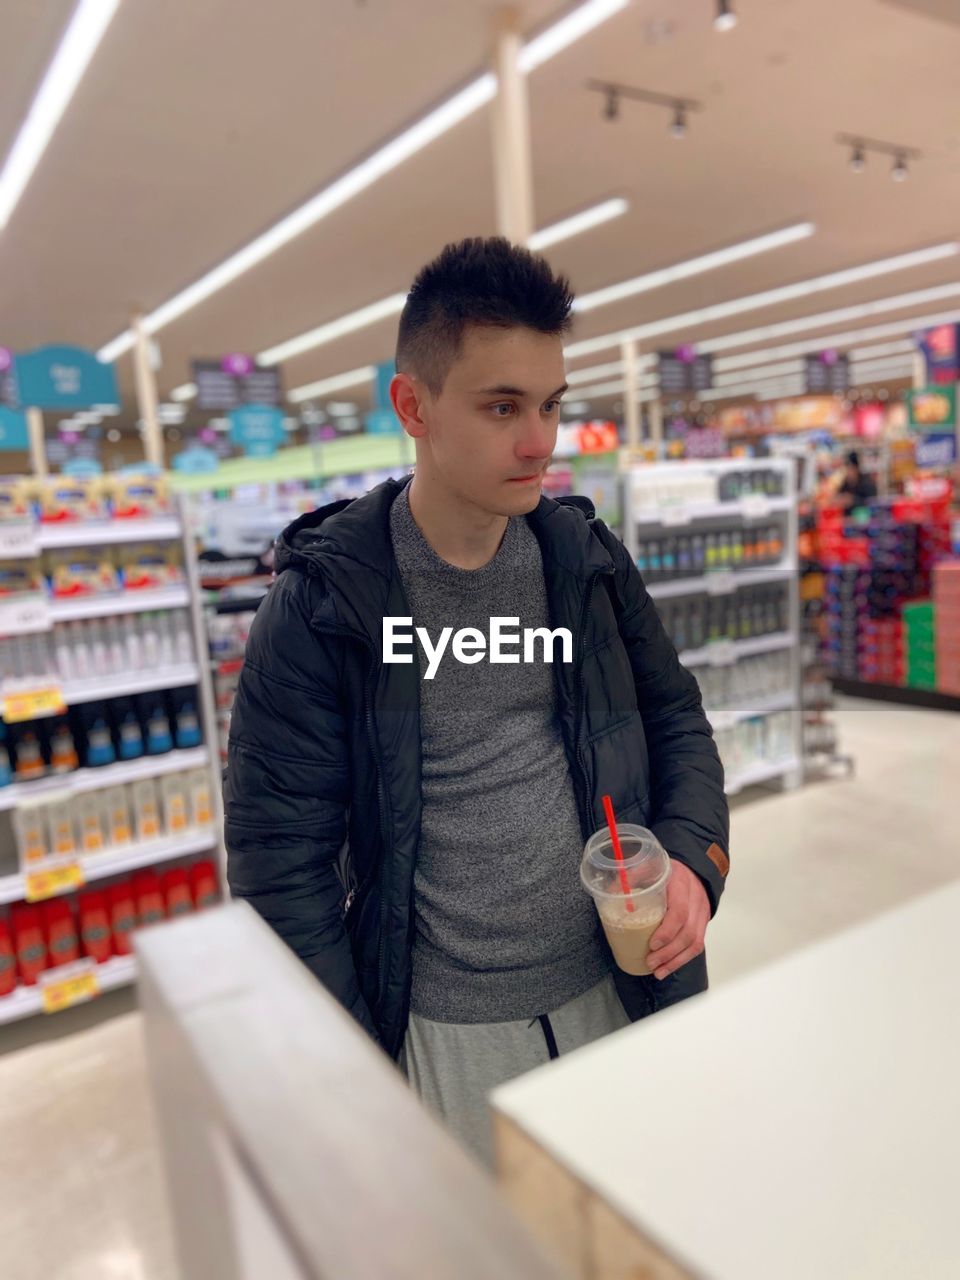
{"points": [[82, 1187]]}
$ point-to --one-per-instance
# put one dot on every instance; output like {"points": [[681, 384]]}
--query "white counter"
{"points": [[803, 1122]]}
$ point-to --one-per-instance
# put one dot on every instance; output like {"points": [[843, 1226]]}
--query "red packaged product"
{"points": [[148, 896], [29, 944], [60, 929], [123, 916], [8, 961], [95, 927], [203, 884], [176, 892]]}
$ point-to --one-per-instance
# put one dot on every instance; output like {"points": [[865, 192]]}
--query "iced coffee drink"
{"points": [[631, 898]]}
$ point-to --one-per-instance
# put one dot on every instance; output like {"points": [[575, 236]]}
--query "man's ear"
{"points": [[406, 396]]}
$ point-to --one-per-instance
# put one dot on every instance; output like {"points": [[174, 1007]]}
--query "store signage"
{"points": [[197, 460], [382, 422], [381, 391], [82, 467], [13, 429], [60, 377], [940, 348], [827, 374], [257, 429], [221, 387], [936, 450], [933, 409], [68, 985], [683, 370]]}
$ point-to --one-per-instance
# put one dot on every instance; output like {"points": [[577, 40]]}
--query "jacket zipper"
{"points": [[586, 819]]}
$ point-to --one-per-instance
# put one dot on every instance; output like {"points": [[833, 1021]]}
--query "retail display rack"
{"points": [[716, 543], [66, 663]]}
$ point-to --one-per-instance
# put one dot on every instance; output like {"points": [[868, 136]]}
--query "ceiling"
{"points": [[198, 125]]}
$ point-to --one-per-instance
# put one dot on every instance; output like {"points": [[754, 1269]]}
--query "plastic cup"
{"points": [[647, 869]]}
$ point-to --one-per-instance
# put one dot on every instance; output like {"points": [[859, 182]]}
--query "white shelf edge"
{"points": [[709, 655], [23, 1002], [108, 776], [724, 717], [723, 582], [77, 691], [109, 533], [99, 866], [758, 773], [677, 515], [123, 602]]}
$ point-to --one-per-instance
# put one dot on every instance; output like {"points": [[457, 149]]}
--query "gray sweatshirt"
{"points": [[503, 928]]}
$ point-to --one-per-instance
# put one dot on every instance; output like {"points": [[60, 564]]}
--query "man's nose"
{"points": [[537, 440]]}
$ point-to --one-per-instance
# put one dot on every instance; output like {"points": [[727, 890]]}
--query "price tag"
{"points": [[23, 614], [53, 877], [68, 985], [671, 517], [722, 653], [33, 704], [721, 584], [756, 506], [18, 541]]}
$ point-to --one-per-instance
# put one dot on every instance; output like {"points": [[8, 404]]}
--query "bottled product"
{"points": [[148, 896], [156, 723], [185, 718], [176, 805], [93, 736], [62, 837], [29, 943], [6, 773], [146, 809], [96, 934], [201, 803], [123, 916], [29, 824], [203, 884], [128, 731], [117, 815], [91, 818], [60, 931], [8, 960], [176, 892], [63, 752]]}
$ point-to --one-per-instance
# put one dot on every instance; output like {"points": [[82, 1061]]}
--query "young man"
{"points": [[414, 829]]}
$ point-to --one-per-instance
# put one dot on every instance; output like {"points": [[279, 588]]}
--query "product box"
{"points": [[70, 499], [149, 567], [18, 499], [76, 572], [20, 577], [138, 497]]}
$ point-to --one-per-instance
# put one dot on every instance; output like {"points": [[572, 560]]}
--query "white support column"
{"points": [[38, 448], [147, 395], [513, 173], [631, 392], [919, 371]]}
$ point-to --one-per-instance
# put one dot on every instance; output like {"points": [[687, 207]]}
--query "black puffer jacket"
{"points": [[323, 779]]}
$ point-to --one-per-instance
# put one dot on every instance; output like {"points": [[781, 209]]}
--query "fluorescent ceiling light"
{"points": [[432, 126], [78, 45], [694, 267], [185, 392], [596, 371], [810, 346], [567, 31], [873, 368], [567, 228], [749, 387], [780, 369], [392, 306], [355, 378], [787, 293], [903, 348], [342, 408], [329, 332]]}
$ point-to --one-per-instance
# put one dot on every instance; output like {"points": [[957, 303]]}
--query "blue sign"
{"points": [[257, 429], [82, 467], [937, 449], [64, 378], [382, 422], [197, 460], [381, 390], [13, 429]]}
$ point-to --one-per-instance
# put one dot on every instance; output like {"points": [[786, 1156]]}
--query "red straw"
{"points": [[615, 837]]}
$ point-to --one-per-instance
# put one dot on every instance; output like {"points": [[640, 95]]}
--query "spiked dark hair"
{"points": [[491, 283]]}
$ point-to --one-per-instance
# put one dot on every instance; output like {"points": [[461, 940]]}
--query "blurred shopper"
{"points": [[856, 488], [417, 840]]}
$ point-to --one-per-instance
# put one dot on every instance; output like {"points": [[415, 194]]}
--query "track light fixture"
{"points": [[726, 18], [861, 146], [615, 93]]}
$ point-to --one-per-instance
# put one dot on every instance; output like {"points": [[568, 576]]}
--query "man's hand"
{"points": [[681, 933]]}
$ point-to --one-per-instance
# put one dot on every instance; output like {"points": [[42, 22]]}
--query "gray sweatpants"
{"points": [[454, 1067]]}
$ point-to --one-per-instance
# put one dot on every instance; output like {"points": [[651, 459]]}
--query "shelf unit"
{"points": [[26, 1000], [670, 500]]}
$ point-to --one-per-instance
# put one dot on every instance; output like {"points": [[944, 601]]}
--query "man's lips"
{"points": [[536, 475]]}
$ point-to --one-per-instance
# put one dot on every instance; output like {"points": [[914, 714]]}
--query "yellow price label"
{"points": [[71, 985], [50, 881], [33, 704]]}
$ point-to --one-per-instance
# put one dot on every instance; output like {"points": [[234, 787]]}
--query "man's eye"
{"points": [[498, 407], [551, 405]]}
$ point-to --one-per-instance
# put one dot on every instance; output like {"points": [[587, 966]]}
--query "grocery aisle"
{"points": [[74, 1110]]}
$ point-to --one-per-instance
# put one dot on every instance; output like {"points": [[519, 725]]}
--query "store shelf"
{"points": [[110, 775], [721, 583], [77, 691], [121, 971], [123, 602], [749, 508], [99, 866], [722, 653], [109, 533], [932, 699], [765, 771], [726, 717]]}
